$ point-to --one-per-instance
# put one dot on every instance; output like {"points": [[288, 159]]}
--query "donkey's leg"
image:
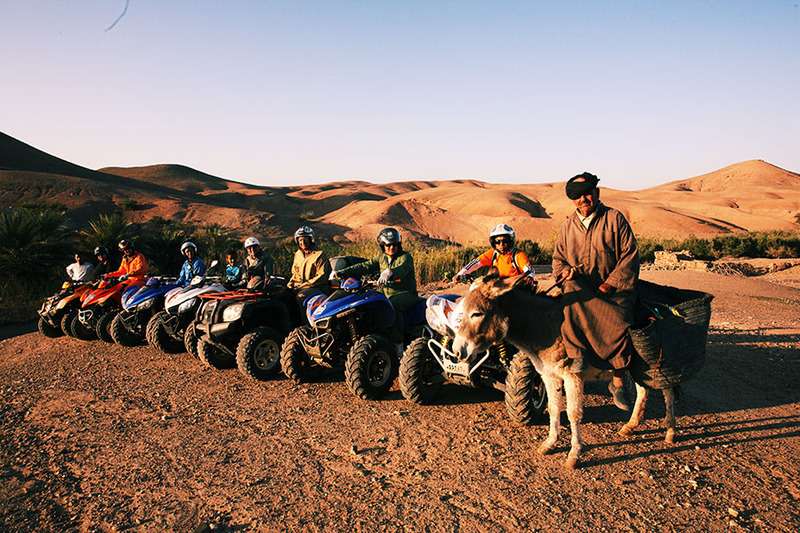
{"points": [[553, 386], [669, 417], [637, 414], [573, 386]]}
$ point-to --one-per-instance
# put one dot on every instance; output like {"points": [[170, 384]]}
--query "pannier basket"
{"points": [[671, 346]]}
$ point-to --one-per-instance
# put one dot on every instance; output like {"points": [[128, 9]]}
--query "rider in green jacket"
{"points": [[397, 279]]}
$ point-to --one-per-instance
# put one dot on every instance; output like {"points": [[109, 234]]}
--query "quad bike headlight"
{"points": [[186, 306], [147, 304], [232, 312]]}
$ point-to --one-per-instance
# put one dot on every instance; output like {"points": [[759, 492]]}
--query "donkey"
{"points": [[495, 310]]}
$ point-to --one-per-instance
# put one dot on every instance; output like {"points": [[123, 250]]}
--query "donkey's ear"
{"points": [[498, 287]]}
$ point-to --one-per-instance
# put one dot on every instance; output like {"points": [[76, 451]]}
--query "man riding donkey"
{"points": [[597, 260]]}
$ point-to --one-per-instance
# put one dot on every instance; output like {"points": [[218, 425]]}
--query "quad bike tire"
{"points": [[525, 394], [371, 367], [121, 334], [159, 338], [190, 340], [79, 331], [66, 322], [296, 364], [103, 327], [213, 357], [421, 376], [258, 355], [48, 330]]}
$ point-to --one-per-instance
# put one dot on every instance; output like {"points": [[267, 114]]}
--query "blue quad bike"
{"points": [[351, 328], [139, 304]]}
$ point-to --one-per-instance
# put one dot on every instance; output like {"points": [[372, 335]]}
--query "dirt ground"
{"points": [[98, 437]]}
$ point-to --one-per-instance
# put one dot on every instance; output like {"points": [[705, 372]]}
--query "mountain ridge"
{"points": [[751, 195]]}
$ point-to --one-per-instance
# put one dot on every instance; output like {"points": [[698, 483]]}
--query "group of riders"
{"points": [[311, 271], [595, 259]]}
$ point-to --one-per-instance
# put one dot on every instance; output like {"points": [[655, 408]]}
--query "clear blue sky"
{"points": [[296, 92]]}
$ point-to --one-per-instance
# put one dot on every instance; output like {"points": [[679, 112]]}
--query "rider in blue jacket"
{"points": [[233, 270], [193, 266]]}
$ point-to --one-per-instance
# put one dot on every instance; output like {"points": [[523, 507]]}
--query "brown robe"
{"points": [[596, 325]]}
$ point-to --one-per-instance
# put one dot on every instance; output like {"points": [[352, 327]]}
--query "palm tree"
{"points": [[214, 240], [160, 241], [32, 243], [106, 230]]}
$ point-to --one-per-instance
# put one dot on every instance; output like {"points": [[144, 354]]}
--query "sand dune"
{"points": [[748, 196]]}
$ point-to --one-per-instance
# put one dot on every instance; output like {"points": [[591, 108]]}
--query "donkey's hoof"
{"points": [[571, 464], [626, 431], [545, 448], [669, 438]]}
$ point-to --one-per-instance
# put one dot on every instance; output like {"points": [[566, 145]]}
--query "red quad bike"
{"points": [[58, 310], [99, 307]]}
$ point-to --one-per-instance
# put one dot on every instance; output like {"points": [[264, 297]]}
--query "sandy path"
{"points": [[98, 437]]}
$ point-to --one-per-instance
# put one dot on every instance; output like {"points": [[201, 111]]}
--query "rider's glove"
{"points": [[334, 275], [123, 277], [385, 277]]}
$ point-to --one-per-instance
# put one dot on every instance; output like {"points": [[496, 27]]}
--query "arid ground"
{"points": [[98, 437]]}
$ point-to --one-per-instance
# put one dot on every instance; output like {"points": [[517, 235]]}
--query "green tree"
{"points": [[33, 243], [106, 230], [160, 240], [214, 240]]}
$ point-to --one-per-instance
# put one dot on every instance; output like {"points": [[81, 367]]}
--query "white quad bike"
{"points": [[172, 330], [428, 363]]}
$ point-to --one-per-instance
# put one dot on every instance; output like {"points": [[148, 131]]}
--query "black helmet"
{"points": [[388, 236], [304, 231], [101, 250]]}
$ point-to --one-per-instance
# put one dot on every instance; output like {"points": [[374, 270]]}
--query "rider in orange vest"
{"points": [[133, 266], [503, 257]]}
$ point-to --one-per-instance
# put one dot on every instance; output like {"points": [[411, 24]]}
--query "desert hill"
{"points": [[747, 196]]}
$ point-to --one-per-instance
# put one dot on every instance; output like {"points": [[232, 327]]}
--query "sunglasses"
{"points": [[502, 241], [391, 244]]}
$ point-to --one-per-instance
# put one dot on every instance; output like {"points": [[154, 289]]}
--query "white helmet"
{"points": [[304, 231], [187, 245], [502, 229], [251, 241]]}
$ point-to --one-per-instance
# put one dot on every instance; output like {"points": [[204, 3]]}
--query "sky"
{"points": [[295, 92]]}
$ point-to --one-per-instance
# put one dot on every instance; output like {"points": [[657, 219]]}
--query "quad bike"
{"points": [[351, 327], [429, 363], [246, 327], [58, 311], [139, 304], [99, 306], [172, 330]]}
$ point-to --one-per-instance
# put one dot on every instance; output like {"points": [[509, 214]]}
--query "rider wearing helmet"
{"points": [[310, 267], [103, 262], [258, 265], [80, 270], [397, 279], [504, 257], [193, 266], [133, 266]]}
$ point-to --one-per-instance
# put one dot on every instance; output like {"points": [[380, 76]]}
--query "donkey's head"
{"points": [[485, 321]]}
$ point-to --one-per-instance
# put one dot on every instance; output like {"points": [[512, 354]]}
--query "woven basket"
{"points": [[671, 348]]}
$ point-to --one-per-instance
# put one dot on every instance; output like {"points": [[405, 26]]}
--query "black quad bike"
{"points": [[429, 363], [350, 328], [245, 328]]}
